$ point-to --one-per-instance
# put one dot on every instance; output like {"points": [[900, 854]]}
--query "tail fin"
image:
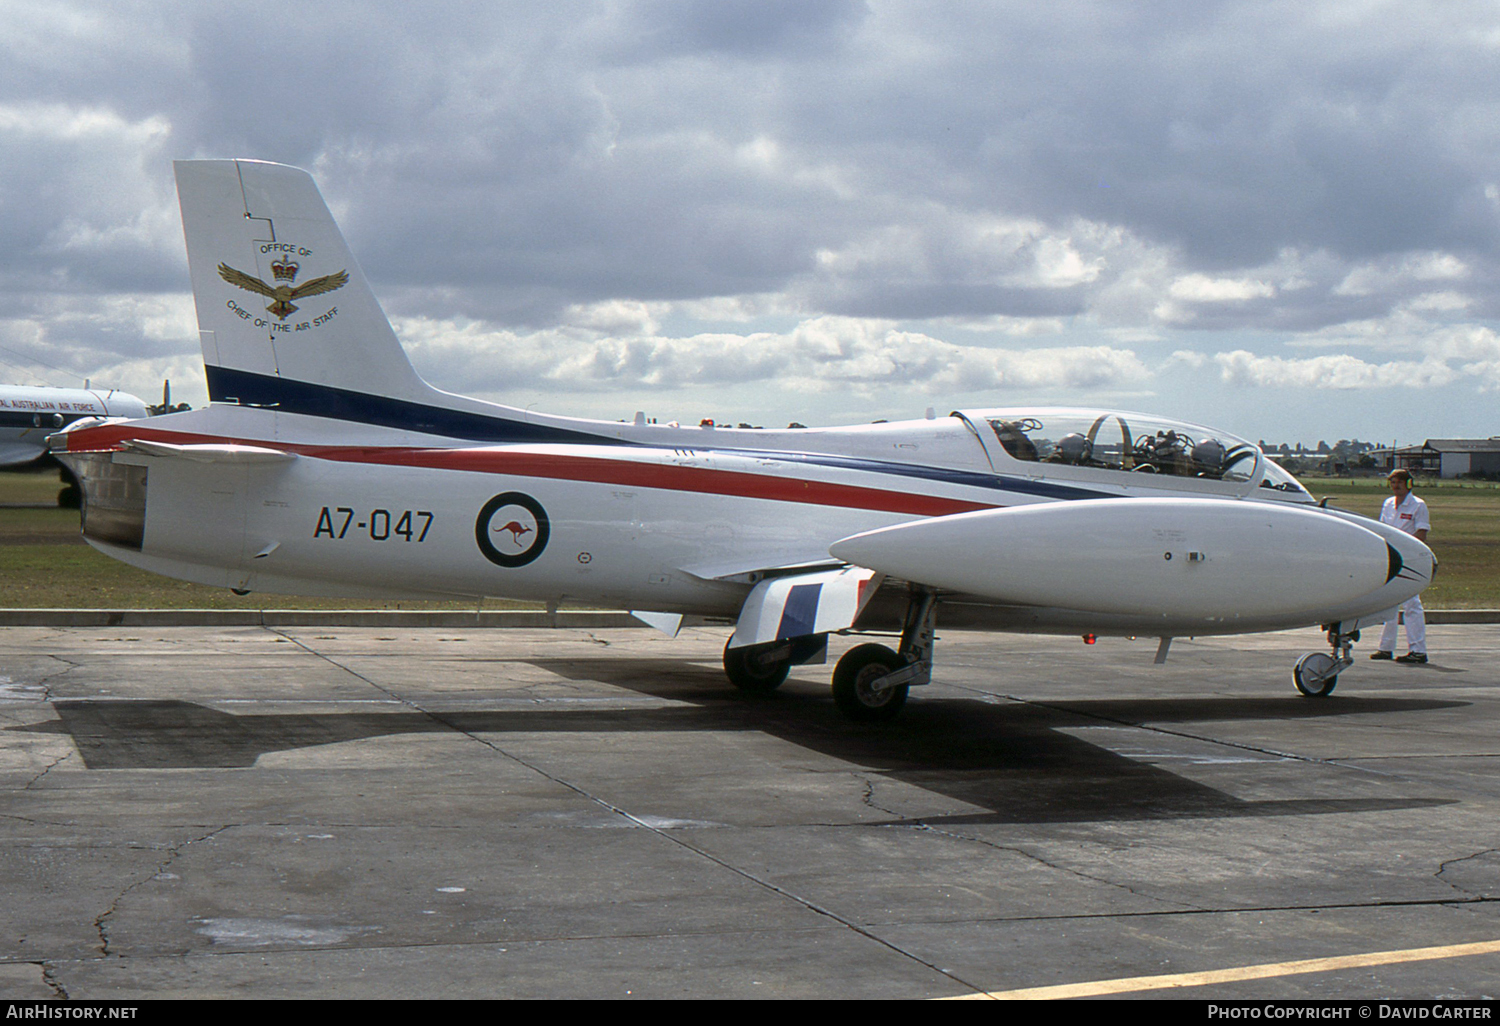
{"points": [[284, 312]]}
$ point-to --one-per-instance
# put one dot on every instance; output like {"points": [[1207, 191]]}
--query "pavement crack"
{"points": [[48, 769], [102, 921], [1455, 864], [46, 681], [68, 665], [869, 796], [50, 980], [1060, 868]]}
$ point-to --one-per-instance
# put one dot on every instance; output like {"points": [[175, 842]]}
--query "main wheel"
{"points": [[758, 669], [1315, 674], [860, 667]]}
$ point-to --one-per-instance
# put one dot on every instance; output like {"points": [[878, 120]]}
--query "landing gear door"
{"points": [[804, 604]]}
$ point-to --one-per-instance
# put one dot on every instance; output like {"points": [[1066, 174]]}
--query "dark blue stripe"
{"points": [[966, 478], [39, 418], [288, 396], [800, 612]]}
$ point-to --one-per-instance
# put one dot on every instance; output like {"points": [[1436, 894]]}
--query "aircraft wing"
{"points": [[16, 455], [752, 569]]}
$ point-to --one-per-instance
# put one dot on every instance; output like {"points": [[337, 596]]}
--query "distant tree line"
{"points": [[1347, 455]]}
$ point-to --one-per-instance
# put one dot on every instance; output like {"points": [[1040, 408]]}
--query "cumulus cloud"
{"points": [[64, 341], [1199, 288], [1336, 372], [821, 197], [825, 354], [1370, 278], [1186, 358], [81, 206], [1487, 373]]}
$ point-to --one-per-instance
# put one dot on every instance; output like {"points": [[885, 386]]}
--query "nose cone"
{"points": [[1412, 565]]}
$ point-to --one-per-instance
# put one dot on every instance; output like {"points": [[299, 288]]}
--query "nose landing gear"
{"points": [[1316, 673]]}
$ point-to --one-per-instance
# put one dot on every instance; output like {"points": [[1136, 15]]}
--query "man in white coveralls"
{"points": [[1409, 513]]}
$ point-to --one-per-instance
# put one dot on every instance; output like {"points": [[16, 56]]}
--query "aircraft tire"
{"points": [[851, 684], [1312, 677], [749, 671]]}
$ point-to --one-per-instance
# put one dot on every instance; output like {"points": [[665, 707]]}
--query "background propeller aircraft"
{"points": [[29, 413], [324, 465]]}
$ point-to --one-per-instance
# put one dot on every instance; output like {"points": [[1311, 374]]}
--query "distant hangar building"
{"points": [[1446, 457]]}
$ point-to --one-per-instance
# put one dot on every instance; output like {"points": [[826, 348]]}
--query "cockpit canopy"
{"points": [[1136, 444]]}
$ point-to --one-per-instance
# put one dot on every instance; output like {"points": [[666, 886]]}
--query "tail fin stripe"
{"points": [[244, 388]]}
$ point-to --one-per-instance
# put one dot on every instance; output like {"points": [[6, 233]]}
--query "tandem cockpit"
{"points": [[1151, 450]]}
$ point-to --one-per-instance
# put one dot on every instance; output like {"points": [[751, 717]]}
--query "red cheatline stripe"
{"points": [[632, 473], [659, 475]]}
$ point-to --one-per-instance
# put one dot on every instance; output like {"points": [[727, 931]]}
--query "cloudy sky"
{"points": [[1282, 218]]}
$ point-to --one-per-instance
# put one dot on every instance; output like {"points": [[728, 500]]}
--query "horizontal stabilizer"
{"points": [[803, 604], [211, 453]]}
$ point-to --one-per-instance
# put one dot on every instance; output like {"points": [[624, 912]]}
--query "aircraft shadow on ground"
{"points": [[1014, 759]]}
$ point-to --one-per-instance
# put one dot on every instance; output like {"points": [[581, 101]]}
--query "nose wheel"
{"points": [[1316, 673]]}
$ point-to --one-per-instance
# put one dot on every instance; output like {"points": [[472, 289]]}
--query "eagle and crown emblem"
{"points": [[282, 295]]}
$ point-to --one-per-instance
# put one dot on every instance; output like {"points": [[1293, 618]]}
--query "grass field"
{"points": [[1465, 534], [45, 564]]}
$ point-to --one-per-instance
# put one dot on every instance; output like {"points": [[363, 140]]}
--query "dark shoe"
{"points": [[1412, 657], [1381, 653]]}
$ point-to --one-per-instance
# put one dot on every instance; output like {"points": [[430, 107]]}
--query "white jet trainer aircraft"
{"points": [[325, 466]]}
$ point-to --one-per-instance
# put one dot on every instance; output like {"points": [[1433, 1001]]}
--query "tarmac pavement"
{"points": [[398, 812]]}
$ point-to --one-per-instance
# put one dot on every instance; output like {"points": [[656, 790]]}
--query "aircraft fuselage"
{"points": [[623, 523]]}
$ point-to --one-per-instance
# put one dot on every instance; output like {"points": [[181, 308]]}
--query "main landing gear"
{"points": [[761, 669], [1317, 672], [870, 681]]}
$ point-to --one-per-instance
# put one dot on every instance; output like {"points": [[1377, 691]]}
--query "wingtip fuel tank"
{"points": [[1194, 564]]}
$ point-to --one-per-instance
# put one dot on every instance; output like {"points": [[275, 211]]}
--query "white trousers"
{"points": [[1416, 629]]}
